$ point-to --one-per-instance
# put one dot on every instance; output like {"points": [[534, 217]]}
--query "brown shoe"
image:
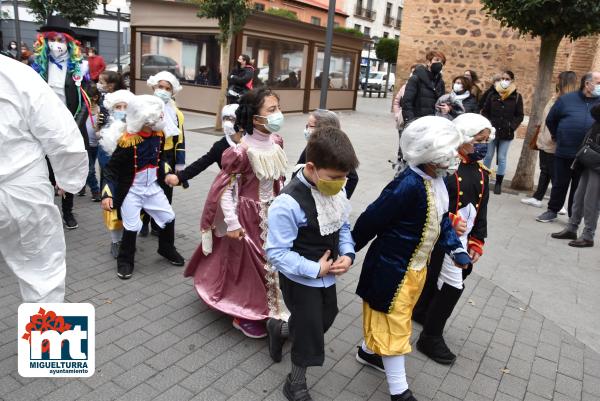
{"points": [[581, 243], [565, 234]]}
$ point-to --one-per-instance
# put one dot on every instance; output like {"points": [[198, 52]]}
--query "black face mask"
{"points": [[436, 68]]}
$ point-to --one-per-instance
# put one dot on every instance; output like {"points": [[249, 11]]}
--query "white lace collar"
{"points": [[268, 164], [332, 211]]}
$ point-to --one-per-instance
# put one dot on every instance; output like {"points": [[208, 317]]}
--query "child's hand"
{"points": [[460, 227], [60, 191], [474, 255], [107, 204], [325, 263], [172, 180], [238, 234], [444, 108], [341, 265]]}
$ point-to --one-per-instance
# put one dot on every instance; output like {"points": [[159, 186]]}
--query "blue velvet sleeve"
{"points": [[381, 212]]}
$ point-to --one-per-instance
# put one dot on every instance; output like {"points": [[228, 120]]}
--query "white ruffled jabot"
{"points": [[332, 211]]}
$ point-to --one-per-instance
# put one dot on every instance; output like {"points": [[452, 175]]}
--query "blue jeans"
{"points": [[92, 182], [502, 153]]}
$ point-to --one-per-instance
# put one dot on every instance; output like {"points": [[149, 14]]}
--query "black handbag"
{"points": [[589, 156]]}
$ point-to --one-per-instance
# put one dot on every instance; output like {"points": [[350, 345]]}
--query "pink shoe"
{"points": [[250, 328]]}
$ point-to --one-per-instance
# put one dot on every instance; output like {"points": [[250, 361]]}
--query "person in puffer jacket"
{"points": [[424, 88], [568, 121]]}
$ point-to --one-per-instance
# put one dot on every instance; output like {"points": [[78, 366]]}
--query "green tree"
{"points": [[79, 12], [387, 50], [281, 12], [231, 15], [551, 20]]}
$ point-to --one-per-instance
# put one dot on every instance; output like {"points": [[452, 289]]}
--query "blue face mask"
{"points": [[274, 121], [596, 91], [479, 152], [119, 115]]}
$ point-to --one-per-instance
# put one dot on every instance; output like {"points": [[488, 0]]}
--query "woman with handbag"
{"points": [[586, 203], [567, 82]]}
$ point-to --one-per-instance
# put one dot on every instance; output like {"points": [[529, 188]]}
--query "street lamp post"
{"points": [[17, 27], [327, 55], [119, 68], [118, 15]]}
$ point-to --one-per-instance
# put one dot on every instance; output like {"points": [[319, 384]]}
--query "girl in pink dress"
{"points": [[229, 267]]}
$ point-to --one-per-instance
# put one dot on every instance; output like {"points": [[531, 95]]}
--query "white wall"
{"points": [[377, 28]]}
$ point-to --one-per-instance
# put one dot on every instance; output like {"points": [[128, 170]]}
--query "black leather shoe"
{"points": [[581, 243], [405, 396], [435, 348], [564, 234], [372, 360], [296, 391], [276, 340], [172, 256]]}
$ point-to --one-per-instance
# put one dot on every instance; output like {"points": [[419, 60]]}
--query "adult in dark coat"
{"points": [[568, 121], [240, 79], [495, 79], [587, 198], [504, 108], [424, 88]]}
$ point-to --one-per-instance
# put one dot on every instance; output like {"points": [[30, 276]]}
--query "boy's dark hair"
{"points": [[330, 147], [510, 74], [250, 104]]}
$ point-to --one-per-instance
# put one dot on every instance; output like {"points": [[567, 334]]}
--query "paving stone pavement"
{"points": [[157, 340]]}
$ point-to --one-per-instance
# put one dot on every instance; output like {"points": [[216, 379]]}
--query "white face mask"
{"points": [[228, 128], [101, 88], [505, 83], [163, 94], [57, 49], [307, 132], [457, 88]]}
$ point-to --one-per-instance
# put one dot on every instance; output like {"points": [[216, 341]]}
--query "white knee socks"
{"points": [[395, 373], [116, 235]]}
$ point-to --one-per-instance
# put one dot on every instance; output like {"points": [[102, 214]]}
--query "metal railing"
{"points": [[365, 13], [389, 21]]}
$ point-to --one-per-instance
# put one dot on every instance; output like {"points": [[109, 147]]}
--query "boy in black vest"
{"points": [[309, 243]]}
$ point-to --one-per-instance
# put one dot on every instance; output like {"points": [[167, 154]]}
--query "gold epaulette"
{"points": [[485, 168], [129, 140]]}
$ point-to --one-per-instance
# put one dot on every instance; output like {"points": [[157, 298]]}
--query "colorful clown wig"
{"points": [[41, 53]]}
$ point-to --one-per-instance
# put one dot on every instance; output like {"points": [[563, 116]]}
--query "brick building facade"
{"points": [[471, 40]]}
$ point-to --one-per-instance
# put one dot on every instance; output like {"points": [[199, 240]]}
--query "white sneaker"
{"points": [[532, 202], [562, 211]]}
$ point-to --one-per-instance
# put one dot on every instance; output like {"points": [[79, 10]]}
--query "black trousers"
{"points": [[67, 200], [313, 310], [562, 177], [546, 168]]}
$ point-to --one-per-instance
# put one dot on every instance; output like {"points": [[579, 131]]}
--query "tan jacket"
{"points": [[544, 140]]}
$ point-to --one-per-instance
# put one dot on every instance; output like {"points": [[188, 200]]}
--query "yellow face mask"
{"points": [[330, 187]]}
